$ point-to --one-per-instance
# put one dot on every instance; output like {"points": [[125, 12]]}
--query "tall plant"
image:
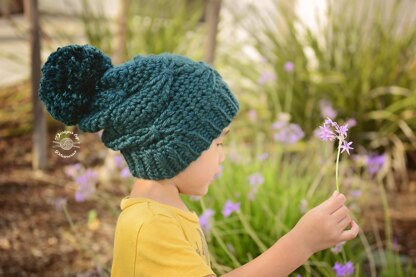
{"points": [[362, 62], [153, 27], [165, 26]]}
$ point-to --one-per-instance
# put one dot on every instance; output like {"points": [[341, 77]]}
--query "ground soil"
{"points": [[36, 238]]}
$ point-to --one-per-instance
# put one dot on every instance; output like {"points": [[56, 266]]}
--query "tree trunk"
{"points": [[39, 136], [119, 54], [212, 16], [5, 9]]}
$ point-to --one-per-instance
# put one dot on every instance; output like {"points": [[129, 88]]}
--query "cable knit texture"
{"points": [[160, 111]]}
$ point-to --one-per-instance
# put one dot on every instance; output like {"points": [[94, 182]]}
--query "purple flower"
{"points": [[86, 183], [330, 122], [121, 164], [290, 134], [125, 173], [285, 132], [73, 170], [278, 125], [252, 193], [205, 220], [338, 248], [119, 161], [351, 122], [360, 159], [263, 156], [282, 121], [331, 131], [230, 207], [256, 179], [356, 193], [346, 146], [252, 115], [266, 77], [375, 163], [59, 203], [289, 66], [342, 130], [325, 133], [326, 109], [344, 270], [90, 176]]}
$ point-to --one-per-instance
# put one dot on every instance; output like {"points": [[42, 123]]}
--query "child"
{"points": [[168, 116]]}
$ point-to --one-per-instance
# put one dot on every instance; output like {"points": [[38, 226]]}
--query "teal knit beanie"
{"points": [[161, 111]]}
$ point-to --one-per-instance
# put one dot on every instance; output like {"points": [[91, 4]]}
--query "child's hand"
{"points": [[323, 226]]}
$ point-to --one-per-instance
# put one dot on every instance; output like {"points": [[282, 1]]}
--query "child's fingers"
{"points": [[336, 202], [339, 214], [346, 221], [351, 233], [334, 194]]}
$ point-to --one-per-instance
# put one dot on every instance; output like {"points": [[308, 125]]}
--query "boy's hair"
{"points": [[161, 111]]}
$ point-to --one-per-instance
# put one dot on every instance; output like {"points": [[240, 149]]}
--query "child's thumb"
{"points": [[332, 197]]}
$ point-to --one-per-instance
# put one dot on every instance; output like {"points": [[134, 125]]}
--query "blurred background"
{"points": [[291, 64]]}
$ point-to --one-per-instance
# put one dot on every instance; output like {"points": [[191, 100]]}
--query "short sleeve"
{"points": [[162, 250]]}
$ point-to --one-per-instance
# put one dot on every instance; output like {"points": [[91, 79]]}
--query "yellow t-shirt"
{"points": [[156, 239]]}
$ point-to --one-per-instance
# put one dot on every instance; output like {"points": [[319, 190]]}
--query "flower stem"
{"points": [[337, 163]]}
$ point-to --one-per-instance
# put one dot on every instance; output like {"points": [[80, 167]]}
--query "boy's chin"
{"points": [[204, 191]]}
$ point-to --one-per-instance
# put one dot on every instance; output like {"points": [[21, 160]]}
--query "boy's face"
{"points": [[195, 179]]}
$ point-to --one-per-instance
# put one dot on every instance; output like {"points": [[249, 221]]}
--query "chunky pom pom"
{"points": [[69, 79]]}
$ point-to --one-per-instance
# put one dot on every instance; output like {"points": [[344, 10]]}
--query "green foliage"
{"points": [[362, 60], [164, 26], [153, 27], [97, 26]]}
